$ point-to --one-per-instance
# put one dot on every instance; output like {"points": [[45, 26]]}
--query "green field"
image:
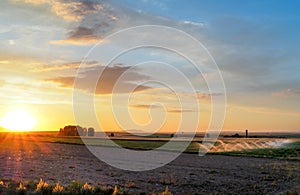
{"points": [[129, 144], [288, 151]]}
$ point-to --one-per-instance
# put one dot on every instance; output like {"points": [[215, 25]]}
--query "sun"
{"points": [[18, 120]]}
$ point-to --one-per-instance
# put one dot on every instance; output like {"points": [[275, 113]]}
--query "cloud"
{"points": [[244, 63], [75, 11], [91, 21], [107, 81], [65, 66], [87, 40], [156, 98], [171, 109], [206, 96], [287, 93], [197, 94], [92, 18], [80, 36], [15, 65], [199, 24], [34, 2], [145, 106], [63, 81], [93, 25], [181, 110], [68, 10], [262, 110]]}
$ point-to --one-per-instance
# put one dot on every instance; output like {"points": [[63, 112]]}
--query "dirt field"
{"points": [[188, 174]]}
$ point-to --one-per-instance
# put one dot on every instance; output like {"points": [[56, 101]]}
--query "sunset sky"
{"points": [[254, 43]]}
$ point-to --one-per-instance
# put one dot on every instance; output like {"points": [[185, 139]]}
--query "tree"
{"points": [[91, 132]]}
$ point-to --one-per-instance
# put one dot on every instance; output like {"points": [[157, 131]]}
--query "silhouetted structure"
{"points": [[246, 133], [91, 132], [207, 135], [112, 135], [236, 135], [74, 130], [81, 131]]}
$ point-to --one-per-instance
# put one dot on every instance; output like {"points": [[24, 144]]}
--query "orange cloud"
{"points": [[75, 11], [85, 40], [106, 82], [69, 11], [171, 109], [65, 66]]}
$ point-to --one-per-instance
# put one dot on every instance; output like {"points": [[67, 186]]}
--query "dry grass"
{"points": [[75, 187]]}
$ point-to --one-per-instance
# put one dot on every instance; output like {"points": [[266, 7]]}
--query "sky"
{"points": [[53, 52]]}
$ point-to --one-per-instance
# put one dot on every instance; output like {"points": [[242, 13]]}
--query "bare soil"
{"points": [[188, 174]]}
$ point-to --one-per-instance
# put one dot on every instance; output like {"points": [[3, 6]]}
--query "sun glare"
{"points": [[18, 120]]}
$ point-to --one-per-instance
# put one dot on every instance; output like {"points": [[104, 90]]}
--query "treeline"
{"points": [[76, 130]]}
